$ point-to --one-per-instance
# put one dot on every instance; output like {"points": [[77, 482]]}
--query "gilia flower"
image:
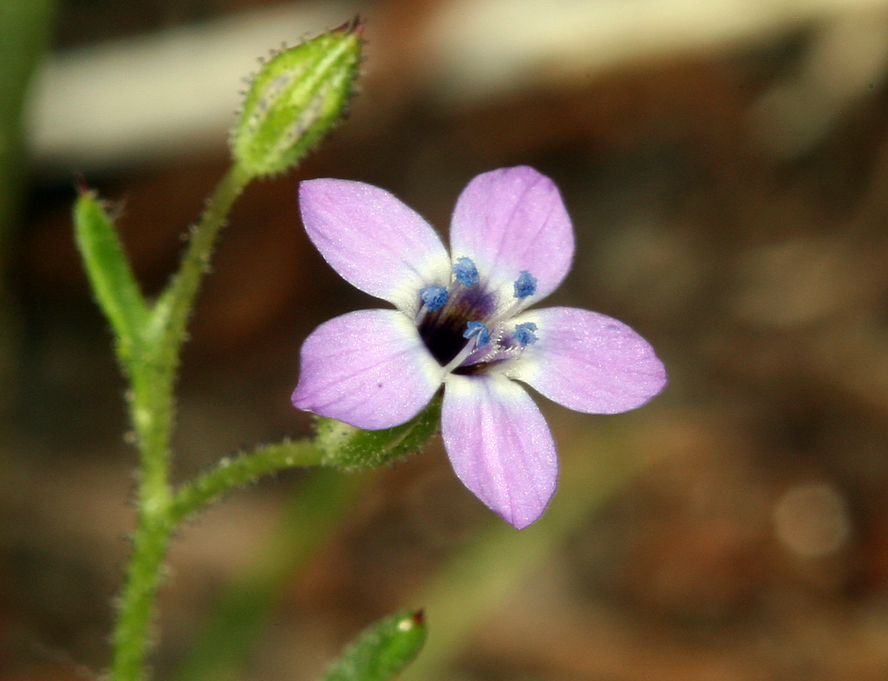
{"points": [[461, 320]]}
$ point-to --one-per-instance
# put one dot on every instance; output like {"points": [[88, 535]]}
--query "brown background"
{"points": [[734, 529]]}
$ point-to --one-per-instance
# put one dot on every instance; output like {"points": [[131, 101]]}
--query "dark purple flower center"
{"points": [[459, 321], [443, 329]]}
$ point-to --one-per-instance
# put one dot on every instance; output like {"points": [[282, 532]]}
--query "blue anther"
{"points": [[524, 334], [478, 329], [525, 285], [465, 272], [433, 297]]}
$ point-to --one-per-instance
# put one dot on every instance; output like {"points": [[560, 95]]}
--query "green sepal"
{"points": [[350, 448], [109, 273], [295, 99], [382, 650]]}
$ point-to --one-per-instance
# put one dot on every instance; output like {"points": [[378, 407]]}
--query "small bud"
{"points": [[382, 650], [295, 99]]}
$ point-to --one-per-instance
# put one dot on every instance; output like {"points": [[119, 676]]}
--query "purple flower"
{"points": [[462, 321]]}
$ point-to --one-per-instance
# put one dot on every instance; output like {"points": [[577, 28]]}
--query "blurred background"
{"points": [[726, 167]]}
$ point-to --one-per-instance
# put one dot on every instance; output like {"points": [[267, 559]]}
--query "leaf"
{"points": [[382, 650], [109, 273]]}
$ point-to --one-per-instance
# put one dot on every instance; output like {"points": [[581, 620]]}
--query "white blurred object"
{"points": [[849, 59], [497, 45], [158, 95], [151, 97]]}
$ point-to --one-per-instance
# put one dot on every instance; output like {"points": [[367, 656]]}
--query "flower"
{"points": [[461, 320]]}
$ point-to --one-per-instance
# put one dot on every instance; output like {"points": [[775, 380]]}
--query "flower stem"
{"points": [[246, 468], [137, 603], [173, 308], [152, 371]]}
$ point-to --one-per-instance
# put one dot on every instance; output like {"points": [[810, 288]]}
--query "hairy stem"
{"points": [[152, 371], [233, 473], [137, 604], [173, 308]]}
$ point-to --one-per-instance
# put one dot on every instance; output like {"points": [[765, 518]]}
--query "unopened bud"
{"points": [[295, 99]]}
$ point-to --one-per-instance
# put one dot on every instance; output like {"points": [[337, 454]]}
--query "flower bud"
{"points": [[295, 99], [382, 650]]}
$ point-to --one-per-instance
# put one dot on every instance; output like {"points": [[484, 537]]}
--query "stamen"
{"points": [[473, 329], [525, 285], [480, 330], [434, 297], [460, 357], [465, 272], [524, 334]]}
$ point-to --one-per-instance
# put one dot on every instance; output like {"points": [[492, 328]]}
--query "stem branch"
{"points": [[245, 468], [152, 408], [174, 306]]}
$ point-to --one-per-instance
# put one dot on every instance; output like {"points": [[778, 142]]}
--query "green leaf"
{"points": [[110, 273], [382, 650], [295, 99], [350, 448]]}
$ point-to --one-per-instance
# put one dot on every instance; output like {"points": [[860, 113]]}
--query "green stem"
{"points": [[152, 410], [161, 512], [152, 405], [143, 575], [152, 414], [174, 306], [246, 468]]}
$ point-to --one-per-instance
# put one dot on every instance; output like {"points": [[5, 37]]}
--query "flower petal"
{"points": [[513, 220], [499, 445], [587, 361], [377, 243], [368, 368]]}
